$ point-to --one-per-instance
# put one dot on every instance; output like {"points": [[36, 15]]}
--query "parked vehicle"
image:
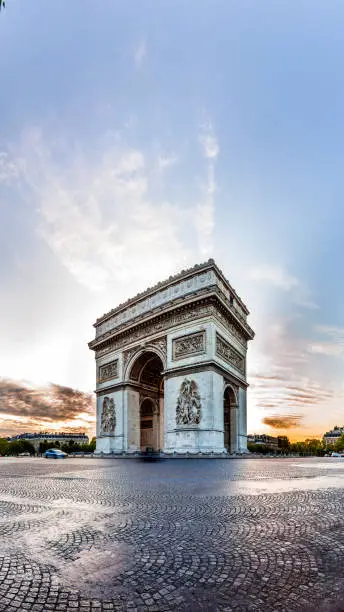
{"points": [[55, 453], [24, 455]]}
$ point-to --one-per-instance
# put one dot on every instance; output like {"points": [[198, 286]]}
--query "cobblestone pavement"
{"points": [[93, 534]]}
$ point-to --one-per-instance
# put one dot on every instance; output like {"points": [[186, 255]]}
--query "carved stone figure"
{"points": [[192, 344], [160, 343], [109, 370], [188, 410], [228, 353], [108, 417]]}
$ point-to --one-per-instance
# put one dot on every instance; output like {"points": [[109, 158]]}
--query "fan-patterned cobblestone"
{"points": [[93, 534]]}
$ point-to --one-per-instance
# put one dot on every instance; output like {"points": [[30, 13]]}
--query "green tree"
{"points": [[2, 4], [20, 446], [71, 447], [4, 446], [258, 448], [299, 448], [339, 445], [283, 444], [312, 447]]}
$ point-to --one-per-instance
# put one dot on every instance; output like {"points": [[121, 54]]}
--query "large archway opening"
{"points": [[229, 402], [146, 374]]}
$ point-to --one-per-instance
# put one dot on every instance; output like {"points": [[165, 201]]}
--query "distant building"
{"points": [[62, 438], [331, 437], [264, 440]]}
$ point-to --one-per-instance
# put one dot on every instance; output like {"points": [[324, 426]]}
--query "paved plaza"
{"points": [[102, 534]]}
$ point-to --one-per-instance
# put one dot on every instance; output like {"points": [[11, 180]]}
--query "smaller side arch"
{"points": [[229, 389], [230, 417]]}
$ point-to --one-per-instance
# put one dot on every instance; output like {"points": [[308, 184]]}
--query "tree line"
{"points": [[16, 447], [311, 447]]}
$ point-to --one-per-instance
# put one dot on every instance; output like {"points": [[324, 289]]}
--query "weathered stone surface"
{"points": [[192, 327]]}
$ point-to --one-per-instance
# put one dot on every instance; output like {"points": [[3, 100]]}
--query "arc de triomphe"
{"points": [[171, 368]]}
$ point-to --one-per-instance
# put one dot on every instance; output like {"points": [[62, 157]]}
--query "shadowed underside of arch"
{"points": [[147, 369], [229, 400], [146, 372]]}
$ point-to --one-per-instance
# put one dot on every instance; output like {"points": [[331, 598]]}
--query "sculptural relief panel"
{"points": [[108, 371], [189, 345], [108, 417], [229, 354], [188, 409]]}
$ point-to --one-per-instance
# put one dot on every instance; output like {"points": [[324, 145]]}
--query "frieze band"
{"points": [[229, 354], [169, 321]]}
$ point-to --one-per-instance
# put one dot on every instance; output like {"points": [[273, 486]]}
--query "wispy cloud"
{"points": [[166, 161], [277, 277], [285, 387], [140, 54], [99, 219], [209, 143], [10, 169], [206, 209], [274, 275], [332, 346]]}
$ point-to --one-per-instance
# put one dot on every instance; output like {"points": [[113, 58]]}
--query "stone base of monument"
{"points": [[176, 455]]}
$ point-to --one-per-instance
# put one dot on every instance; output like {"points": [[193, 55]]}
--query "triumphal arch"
{"points": [[171, 368]]}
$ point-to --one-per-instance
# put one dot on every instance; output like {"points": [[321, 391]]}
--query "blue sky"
{"points": [[140, 137]]}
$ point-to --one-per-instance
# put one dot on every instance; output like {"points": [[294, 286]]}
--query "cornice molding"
{"points": [[183, 275], [213, 297]]}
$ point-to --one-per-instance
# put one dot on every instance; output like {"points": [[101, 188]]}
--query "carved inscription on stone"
{"points": [[109, 370], [229, 354], [108, 417], [185, 346], [188, 411]]}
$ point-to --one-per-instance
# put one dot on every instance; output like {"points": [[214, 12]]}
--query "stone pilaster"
{"points": [[242, 433], [110, 439], [132, 401], [234, 425], [205, 433]]}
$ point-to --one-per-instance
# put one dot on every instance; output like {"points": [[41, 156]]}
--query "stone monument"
{"points": [[171, 368]]}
